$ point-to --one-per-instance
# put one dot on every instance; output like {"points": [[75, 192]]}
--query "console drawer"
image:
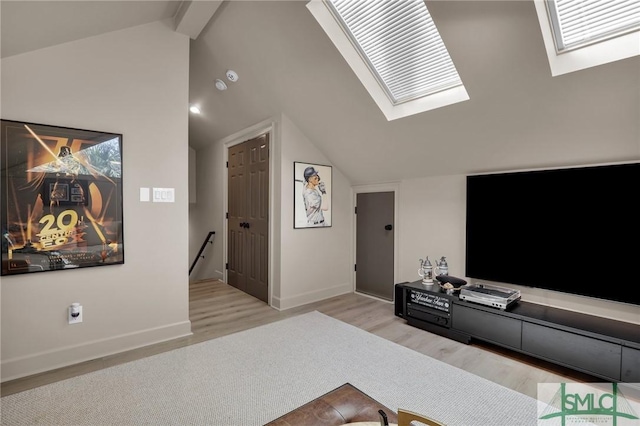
{"points": [[630, 365], [487, 326], [586, 353]]}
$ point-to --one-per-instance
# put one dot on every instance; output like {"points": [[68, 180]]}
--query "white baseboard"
{"points": [[23, 366], [310, 297], [215, 275]]}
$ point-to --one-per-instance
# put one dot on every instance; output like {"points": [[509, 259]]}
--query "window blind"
{"points": [[577, 23], [401, 45]]}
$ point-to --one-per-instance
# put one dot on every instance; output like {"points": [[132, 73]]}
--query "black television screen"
{"points": [[573, 230]]}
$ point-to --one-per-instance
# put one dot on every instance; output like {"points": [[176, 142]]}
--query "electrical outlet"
{"points": [[75, 313]]}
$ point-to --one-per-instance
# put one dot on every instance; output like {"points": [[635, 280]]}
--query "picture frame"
{"points": [[312, 194], [61, 198]]}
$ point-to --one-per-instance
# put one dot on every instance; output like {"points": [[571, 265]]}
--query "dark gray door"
{"points": [[257, 226], [248, 218], [375, 244], [237, 216]]}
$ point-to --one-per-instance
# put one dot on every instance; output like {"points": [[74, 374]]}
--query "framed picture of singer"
{"points": [[311, 195]]}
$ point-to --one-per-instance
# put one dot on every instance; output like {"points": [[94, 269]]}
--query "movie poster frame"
{"points": [[300, 219], [60, 198]]}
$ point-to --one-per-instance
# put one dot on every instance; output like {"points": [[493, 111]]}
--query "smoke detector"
{"points": [[232, 76]]}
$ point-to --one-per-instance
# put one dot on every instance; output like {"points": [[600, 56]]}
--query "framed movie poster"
{"points": [[61, 198], [311, 195]]}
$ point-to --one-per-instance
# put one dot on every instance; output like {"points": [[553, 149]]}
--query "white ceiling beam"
{"points": [[192, 16]]}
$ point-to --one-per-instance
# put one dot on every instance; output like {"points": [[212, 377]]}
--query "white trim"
{"points": [[392, 112], [382, 187], [376, 298], [18, 367], [567, 166], [266, 126], [607, 51], [312, 296]]}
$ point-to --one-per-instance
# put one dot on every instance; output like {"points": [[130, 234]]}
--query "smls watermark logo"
{"points": [[599, 404]]}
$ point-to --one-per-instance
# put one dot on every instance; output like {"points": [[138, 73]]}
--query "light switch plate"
{"points": [[164, 195], [144, 194]]}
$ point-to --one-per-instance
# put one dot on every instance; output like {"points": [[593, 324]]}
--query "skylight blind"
{"points": [[400, 44], [581, 22]]}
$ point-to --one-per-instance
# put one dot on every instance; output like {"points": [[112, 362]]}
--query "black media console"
{"points": [[601, 347]]}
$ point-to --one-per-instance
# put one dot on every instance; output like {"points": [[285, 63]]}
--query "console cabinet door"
{"points": [[487, 326], [630, 365], [580, 352]]}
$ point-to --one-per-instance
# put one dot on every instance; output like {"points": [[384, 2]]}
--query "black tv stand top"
{"points": [[615, 331]]}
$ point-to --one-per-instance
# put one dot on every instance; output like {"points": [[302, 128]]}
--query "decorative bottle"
{"points": [[426, 271], [443, 267]]}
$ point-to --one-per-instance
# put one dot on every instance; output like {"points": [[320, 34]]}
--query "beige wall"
{"points": [[432, 222], [316, 263], [207, 213], [306, 264], [133, 82], [136, 82]]}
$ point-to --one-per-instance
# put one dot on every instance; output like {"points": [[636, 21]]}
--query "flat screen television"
{"points": [[572, 230]]}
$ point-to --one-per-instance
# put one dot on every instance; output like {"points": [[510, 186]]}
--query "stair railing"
{"points": [[204, 245]]}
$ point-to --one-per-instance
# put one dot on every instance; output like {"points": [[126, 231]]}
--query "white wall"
{"points": [[206, 214], [316, 263], [209, 212], [306, 264], [133, 82], [193, 195], [432, 222]]}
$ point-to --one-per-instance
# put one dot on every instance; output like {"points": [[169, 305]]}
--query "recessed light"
{"points": [[194, 109], [221, 85]]}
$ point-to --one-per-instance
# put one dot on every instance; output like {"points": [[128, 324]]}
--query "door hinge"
{"points": [[227, 164], [355, 210], [226, 266], [227, 215], [355, 267]]}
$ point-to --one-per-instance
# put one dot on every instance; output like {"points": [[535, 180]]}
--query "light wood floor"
{"points": [[217, 309]]}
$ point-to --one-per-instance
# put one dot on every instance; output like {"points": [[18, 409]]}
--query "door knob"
{"points": [[388, 227]]}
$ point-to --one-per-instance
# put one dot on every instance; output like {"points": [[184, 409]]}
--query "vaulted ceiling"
{"points": [[518, 115]]}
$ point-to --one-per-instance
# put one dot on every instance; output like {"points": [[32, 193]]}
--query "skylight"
{"points": [[579, 34], [396, 50], [400, 43], [579, 23]]}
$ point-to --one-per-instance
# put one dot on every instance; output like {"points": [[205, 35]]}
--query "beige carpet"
{"points": [[254, 376]]}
